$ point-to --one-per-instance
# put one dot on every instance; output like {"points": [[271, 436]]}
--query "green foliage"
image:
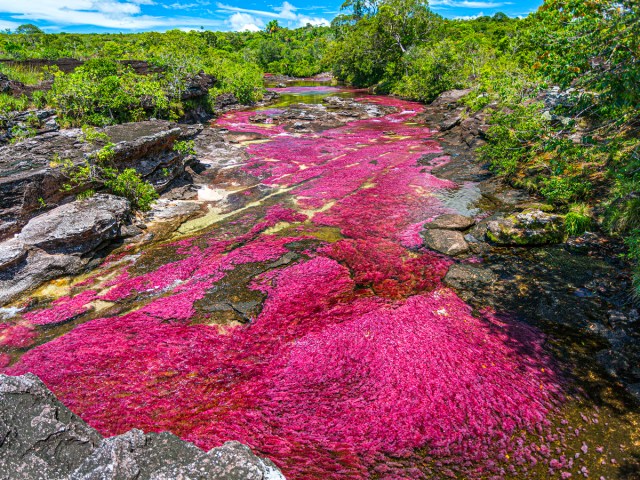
{"points": [[91, 135], [578, 219], [130, 185], [432, 70], [185, 147], [99, 172], [19, 134], [102, 92], [22, 73], [243, 80], [9, 103]]}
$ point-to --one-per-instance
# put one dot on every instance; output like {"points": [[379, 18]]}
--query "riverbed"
{"points": [[303, 316]]}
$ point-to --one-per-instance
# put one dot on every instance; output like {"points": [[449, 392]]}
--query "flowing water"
{"points": [[312, 325]]}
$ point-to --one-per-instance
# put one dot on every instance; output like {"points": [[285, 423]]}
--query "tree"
{"points": [[28, 29], [272, 27]]}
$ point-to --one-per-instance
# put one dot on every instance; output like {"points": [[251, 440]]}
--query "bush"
{"points": [[101, 92], [431, 70], [578, 219], [99, 172], [243, 80]]}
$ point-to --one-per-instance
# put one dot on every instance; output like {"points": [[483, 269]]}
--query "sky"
{"points": [[142, 15]]}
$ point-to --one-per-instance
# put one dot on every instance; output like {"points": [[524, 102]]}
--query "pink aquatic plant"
{"points": [[16, 336], [62, 309]]}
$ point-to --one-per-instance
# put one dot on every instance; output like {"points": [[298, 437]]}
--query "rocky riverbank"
{"points": [[514, 255]]}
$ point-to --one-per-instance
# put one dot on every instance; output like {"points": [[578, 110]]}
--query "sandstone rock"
{"points": [[449, 242], [231, 461], [452, 221], [40, 439], [77, 227], [530, 227], [28, 177]]}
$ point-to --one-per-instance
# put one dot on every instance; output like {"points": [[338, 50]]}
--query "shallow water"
{"points": [[310, 323]]}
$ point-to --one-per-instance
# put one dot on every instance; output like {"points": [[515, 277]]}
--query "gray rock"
{"points": [[231, 461], [134, 455], [11, 252], [449, 242], [464, 276], [530, 227], [77, 227], [41, 439], [34, 270], [451, 221], [29, 178]]}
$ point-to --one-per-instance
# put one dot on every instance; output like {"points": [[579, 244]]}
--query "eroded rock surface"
{"points": [[530, 227], [41, 439], [60, 242]]}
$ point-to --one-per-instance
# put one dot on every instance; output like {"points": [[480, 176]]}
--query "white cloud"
{"points": [[467, 4], [242, 22], [285, 13], [115, 14]]}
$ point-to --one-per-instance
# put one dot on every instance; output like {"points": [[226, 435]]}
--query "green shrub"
{"points": [[102, 92], [431, 70], [99, 171], [578, 220], [185, 147], [243, 80], [130, 185]]}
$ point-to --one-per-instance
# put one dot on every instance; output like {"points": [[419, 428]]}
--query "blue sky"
{"points": [[160, 15]]}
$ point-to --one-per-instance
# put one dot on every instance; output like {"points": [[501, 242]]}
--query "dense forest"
{"points": [[581, 154]]}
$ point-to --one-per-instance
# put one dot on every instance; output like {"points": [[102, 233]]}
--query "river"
{"points": [[307, 320]]}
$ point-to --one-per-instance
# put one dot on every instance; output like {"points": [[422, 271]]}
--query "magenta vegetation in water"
{"points": [[359, 355]]}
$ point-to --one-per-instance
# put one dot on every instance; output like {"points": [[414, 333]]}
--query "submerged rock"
{"points": [[449, 242], [40, 438], [530, 227]]}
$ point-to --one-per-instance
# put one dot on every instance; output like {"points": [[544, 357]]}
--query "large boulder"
{"points": [[77, 227], [530, 227], [451, 221], [41, 439], [449, 242]]}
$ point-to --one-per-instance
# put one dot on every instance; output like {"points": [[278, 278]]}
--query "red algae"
{"points": [[16, 336], [62, 309], [359, 354]]}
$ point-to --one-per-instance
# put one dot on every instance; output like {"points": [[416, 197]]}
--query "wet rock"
{"points": [[77, 227], [452, 221], [41, 439], [449, 242], [463, 276], [530, 227]]}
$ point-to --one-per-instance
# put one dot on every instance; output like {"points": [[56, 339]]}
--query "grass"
{"points": [[22, 73]]}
